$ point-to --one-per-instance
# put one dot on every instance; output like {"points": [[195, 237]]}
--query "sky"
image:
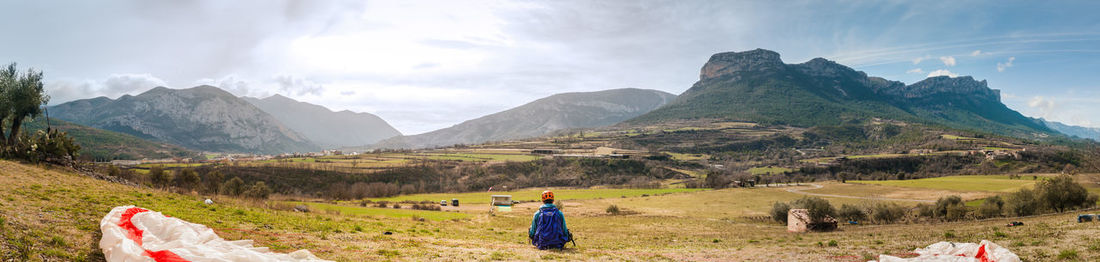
{"points": [[425, 65]]}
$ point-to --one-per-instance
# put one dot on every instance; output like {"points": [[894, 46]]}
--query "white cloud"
{"points": [[914, 71], [1002, 66], [1045, 105], [977, 53], [113, 86], [919, 59], [942, 72], [948, 60], [291, 85]]}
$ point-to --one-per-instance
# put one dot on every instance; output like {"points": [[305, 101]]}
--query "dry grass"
{"points": [[50, 215]]}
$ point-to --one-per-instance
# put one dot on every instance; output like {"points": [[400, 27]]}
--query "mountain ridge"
{"points": [[757, 86], [202, 117], [540, 117], [326, 128]]}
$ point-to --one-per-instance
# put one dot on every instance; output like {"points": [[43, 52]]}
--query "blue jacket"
{"points": [[535, 221]]}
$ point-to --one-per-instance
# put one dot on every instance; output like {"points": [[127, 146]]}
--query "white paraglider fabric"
{"points": [[958, 252], [136, 234]]}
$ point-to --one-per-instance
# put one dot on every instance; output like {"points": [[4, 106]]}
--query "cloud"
{"points": [[977, 53], [235, 85], [113, 86], [919, 59], [942, 72], [1045, 105], [1002, 66], [914, 71], [297, 86], [948, 60]]}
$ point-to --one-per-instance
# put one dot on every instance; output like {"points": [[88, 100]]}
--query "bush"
{"points": [[779, 212], [992, 207], [819, 208], [613, 209], [945, 203], [233, 187], [885, 213], [258, 191], [1061, 194], [851, 213], [1022, 203]]}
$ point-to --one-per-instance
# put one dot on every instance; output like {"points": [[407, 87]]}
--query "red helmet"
{"points": [[547, 195]]}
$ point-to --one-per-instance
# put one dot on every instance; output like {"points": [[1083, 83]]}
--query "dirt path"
{"points": [[816, 186]]}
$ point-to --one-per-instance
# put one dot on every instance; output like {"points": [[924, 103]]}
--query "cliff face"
{"points": [[757, 86], [202, 118]]}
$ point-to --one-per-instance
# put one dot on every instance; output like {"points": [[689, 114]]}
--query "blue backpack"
{"points": [[548, 234]]}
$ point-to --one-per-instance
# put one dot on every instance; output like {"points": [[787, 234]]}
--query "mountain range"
{"points": [[1077, 131], [542, 116], [758, 86], [203, 118], [324, 127]]}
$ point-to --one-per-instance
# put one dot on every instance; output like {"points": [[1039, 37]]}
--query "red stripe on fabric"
{"points": [[982, 255], [133, 232], [165, 256]]}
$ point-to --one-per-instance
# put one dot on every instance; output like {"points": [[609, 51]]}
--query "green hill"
{"points": [[757, 86], [102, 145]]}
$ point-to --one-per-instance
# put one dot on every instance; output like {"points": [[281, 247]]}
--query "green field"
{"points": [[767, 170], [385, 212], [478, 157], [534, 194], [959, 183]]}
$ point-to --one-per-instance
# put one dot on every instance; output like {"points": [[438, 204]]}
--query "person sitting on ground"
{"points": [[548, 227]]}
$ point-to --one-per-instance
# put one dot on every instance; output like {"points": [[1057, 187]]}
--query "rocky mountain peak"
{"points": [[754, 60], [964, 85], [821, 67]]}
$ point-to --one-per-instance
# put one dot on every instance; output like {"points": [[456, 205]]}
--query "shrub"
{"points": [[613, 209], [1022, 203], [886, 213], [779, 212], [992, 207], [945, 203], [1061, 193], [233, 187], [212, 181], [819, 208], [851, 213], [258, 191], [114, 171]]}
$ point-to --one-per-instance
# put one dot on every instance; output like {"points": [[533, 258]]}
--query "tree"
{"points": [[233, 187], [992, 207], [24, 97], [158, 177], [259, 190], [213, 180], [187, 178], [1022, 203], [1061, 193], [851, 213], [819, 208], [945, 204], [779, 212]]}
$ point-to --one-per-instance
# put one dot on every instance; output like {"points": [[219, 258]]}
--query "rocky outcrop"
{"points": [[202, 118], [757, 86], [722, 64], [945, 85]]}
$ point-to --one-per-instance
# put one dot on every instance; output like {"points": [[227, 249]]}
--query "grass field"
{"points": [[535, 194], [768, 170], [53, 215], [383, 212], [959, 183]]}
